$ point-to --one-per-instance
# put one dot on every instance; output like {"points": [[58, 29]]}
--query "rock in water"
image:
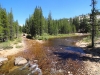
{"points": [[20, 61], [3, 59]]}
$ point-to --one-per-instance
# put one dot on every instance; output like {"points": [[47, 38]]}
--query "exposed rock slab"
{"points": [[20, 61]]}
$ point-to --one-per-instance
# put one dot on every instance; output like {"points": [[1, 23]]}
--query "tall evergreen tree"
{"points": [[11, 26], [7, 27], [16, 25], [73, 28], [50, 24], [36, 21], [41, 21]]}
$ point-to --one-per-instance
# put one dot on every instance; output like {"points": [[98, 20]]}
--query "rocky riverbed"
{"points": [[54, 58]]}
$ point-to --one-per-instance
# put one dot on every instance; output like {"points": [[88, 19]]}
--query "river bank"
{"points": [[16, 47], [92, 56], [21, 45]]}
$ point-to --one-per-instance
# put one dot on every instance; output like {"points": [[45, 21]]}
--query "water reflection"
{"points": [[65, 47], [66, 41]]}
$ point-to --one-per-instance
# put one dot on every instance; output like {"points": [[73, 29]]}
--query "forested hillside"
{"points": [[9, 29], [37, 24]]}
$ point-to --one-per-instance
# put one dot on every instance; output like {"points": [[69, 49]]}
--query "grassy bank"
{"points": [[9, 44], [6, 45], [47, 36]]}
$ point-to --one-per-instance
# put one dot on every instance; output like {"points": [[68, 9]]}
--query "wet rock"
{"points": [[20, 61], [35, 61], [88, 55], [60, 71], [33, 67], [96, 57], [70, 73]]}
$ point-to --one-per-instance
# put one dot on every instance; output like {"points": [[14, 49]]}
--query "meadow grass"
{"points": [[6, 45], [47, 36], [9, 44]]}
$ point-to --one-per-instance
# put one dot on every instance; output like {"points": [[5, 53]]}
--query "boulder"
{"points": [[2, 60], [20, 61]]}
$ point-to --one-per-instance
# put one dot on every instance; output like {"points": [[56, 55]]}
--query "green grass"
{"points": [[87, 39], [47, 36], [5, 45]]}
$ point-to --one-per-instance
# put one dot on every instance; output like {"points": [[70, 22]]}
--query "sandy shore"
{"points": [[14, 50], [92, 67]]}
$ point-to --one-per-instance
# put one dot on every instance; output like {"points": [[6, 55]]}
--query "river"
{"points": [[57, 54], [66, 47]]}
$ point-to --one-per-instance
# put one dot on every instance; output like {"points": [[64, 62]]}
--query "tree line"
{"points": [[9, 29], [37, 24]]}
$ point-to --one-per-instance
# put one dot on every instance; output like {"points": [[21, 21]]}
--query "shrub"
{"points": [[29, 36]]}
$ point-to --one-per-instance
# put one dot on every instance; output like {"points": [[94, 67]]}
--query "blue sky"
{"points": [[59, 8]]}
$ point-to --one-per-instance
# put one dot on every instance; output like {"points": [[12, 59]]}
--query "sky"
{"points": [[59, 8]]}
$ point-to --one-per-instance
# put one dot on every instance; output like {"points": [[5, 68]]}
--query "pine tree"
{"points": [[16, 25], [50, 24], [11, 26], [36, 21], [45, 26], [41, 21]]}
